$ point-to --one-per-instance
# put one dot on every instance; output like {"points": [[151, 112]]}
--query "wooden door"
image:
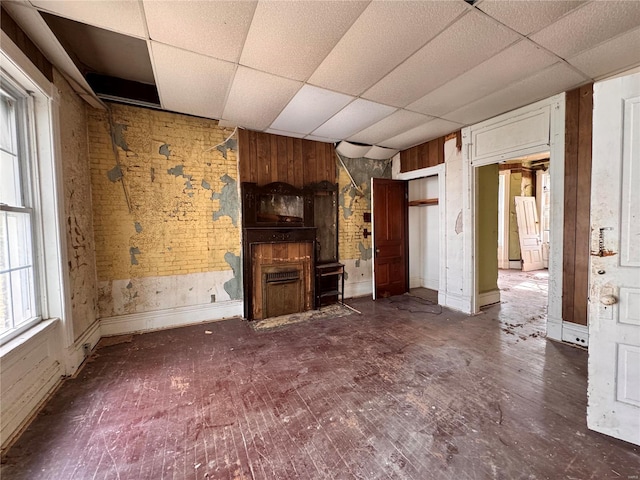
{"points": [[529, 233], [614, 290], [390, 237]]}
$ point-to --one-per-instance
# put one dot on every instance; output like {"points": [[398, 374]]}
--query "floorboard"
{"points": [[405, 390]]}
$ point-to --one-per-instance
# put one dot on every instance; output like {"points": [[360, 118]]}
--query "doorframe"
{"points": [[440, 172], [506, 174], [555, 145]]}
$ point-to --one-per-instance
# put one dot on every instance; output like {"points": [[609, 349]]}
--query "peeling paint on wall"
{"points": [[164, 150], [229, 205], [115, 173], [153, 174], [133, 251], [365, 252], [117, 136], [459, 223], [234, 286], [138, 227], [205, 185], [177, 171], [229, 144]]}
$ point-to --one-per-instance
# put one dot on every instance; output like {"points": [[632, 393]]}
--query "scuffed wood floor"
{"points": [[406, 390]]}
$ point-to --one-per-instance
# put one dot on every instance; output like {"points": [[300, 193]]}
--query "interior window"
{"points": [[18, 306]]}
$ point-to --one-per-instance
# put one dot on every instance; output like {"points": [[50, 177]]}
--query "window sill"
{"points": [[26, 336]]}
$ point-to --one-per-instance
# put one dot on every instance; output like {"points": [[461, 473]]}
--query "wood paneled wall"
{"points": [[266, 158], [427, 154], [577, 204]]}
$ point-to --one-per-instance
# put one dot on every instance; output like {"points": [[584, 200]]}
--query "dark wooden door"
{"points": [[390, 216]]}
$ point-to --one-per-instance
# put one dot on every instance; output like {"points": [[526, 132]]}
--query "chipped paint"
{"points": [[164, 150], [458, 228], [229, 144], [234, 286], [229, 205], [153, 174], [365, 252], [115, 173], [206, 185], [133, 251], [138, 227], [117, 136], [177, 171]]}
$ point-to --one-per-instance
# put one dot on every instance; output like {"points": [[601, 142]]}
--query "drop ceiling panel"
{"points": [[256, 98], [353, 118], [283, 133], [588, 26], [292, 38], [217, 29], [527, 17], [394, 124], [423, 133], [515, 63], [619, 54], [310, 108], [555, 79], [317, 138], [191, 83], [122, 16], [468, 42], [364, 55]]}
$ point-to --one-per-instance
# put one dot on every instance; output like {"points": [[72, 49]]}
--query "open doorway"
{"points": [[513, 211]]}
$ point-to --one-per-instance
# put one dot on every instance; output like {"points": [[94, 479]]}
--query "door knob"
{"points": [[608, 300]]}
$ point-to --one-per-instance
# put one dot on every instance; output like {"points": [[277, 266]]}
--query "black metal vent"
{"points": [[288, 276]]}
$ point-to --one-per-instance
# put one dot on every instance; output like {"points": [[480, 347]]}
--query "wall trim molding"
{"points": [[515, 264], [169, 318], [575, 333], [489, 298], [75, 353], [456, 302]]}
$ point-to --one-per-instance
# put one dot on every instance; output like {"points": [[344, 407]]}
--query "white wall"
{"points": [[424, 256]]}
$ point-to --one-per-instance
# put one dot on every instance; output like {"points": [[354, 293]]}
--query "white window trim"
{"points": [[50, 240]]}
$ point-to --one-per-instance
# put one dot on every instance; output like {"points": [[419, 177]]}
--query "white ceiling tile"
{"points": [[516, 62], [610, 57], [317, 138], [394, 124], [122, 16], [381, 153], [430, 130], [365, 54], [527, 17], [588, 26], [465, 44], [310, 108], [191, 83], [256, 98], [353, 118], [555, 79], [217, 29], [292, 38], [284, 134], [351, 150]]}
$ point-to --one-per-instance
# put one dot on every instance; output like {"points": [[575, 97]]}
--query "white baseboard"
{"points": [[431, 283], [554, 328], [455, 302], [515, 264], [574, 333], [415, 282], [357, 289], [75, 353], [488, 298], [174, 317]]}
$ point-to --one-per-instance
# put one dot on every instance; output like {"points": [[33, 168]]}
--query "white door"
{"points": [[530, 245], [614, 290]]}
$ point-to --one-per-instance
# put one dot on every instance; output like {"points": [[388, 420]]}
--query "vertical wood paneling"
{"points": [[428, 154], [266, 158], [577, 184]]}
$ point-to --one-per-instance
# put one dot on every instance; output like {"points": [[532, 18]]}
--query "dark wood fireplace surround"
{"points": [[273, 214]]}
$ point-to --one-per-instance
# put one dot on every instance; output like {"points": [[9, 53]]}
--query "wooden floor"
{"points": [[406, 390]]}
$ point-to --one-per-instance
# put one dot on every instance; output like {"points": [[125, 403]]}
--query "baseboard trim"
{"points": [[170, 318], [575, 333], [357, 289], [554, 329], [456, 302], [488, 298], [75, 353], [515, 264]]}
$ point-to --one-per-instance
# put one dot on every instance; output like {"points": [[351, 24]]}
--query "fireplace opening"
{"points": [[282, 292]]}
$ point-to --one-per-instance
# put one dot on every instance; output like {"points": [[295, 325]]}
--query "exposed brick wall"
{"points": [[77, 206], [165, 199]]}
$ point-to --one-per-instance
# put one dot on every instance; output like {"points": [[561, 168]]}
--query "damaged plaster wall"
{"points": [[78, 213], [354, 250], [166, 226]]}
